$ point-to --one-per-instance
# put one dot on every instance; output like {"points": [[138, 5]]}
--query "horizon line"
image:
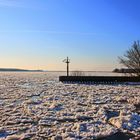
{"points": [[45, 70]]}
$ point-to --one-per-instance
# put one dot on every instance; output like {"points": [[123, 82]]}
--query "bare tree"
{"points": [[77, 73], [131, 59]]}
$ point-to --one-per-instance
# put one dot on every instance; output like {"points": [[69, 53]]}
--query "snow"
{"points": [[37, 105]]}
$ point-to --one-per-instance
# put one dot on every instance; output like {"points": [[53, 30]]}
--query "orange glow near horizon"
{"points": [[56, 65]]}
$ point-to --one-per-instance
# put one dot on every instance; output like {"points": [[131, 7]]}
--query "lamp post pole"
{"points": [[67, 61], [68, 66]]}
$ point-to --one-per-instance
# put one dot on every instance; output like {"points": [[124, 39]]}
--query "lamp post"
{"points": [[67, 61]]}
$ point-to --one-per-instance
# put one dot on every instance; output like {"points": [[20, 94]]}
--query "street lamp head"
{"points": [[66, 60]]}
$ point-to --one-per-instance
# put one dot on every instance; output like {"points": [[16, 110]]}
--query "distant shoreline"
{"points": [[18, 70], [25, 70]]}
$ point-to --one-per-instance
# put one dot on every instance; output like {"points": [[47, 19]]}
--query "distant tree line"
{"points": [[124, 70]]}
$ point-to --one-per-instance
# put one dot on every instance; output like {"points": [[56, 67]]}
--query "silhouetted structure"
{"points": [[99, 79], [123, 70], [67, 61]]}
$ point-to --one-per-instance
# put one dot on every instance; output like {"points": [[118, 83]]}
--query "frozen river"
{"points": [[37, 106]]}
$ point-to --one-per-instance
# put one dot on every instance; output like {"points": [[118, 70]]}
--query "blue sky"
{"points": [[39, 34]]}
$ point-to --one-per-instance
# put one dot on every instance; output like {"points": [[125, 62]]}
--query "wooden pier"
{"points": [[99, 79]]}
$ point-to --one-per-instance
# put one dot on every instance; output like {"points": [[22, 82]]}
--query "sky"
{"points": [[39, 34]]}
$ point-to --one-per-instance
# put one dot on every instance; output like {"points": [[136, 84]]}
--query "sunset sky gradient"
{"points": [[39, 34]]}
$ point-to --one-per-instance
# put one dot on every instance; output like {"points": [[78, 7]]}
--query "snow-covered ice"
{"points": [[38, 106]]}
